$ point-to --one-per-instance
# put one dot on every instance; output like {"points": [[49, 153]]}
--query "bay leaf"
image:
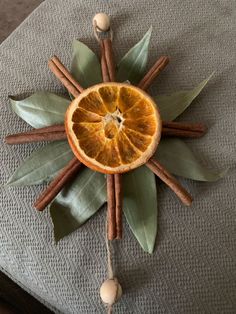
{"points": [[86, 68], [140, 206], [175, 155], [42, 165], [77, 202], [41, 109], [171, 106], [132, 66]]}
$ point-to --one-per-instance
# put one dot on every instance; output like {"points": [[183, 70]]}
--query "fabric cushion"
{"points": [[193, 267]]}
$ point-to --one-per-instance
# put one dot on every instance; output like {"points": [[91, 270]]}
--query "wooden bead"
{"points": [[102, 22], [110, 291]]}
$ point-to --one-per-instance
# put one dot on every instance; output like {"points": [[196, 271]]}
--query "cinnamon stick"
{"points": [[109, 58], [111, 207], [195, 127], [51, 133], [147, 80], [169, 180], [183, 129], [107, 63], [64, 76], [64, 177], [105, 73], [168, 132], [118, 198], [50, 128]]}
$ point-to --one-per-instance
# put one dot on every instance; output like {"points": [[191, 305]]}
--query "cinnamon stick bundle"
{"points": [[51, 133], [57, 132], [114, 206], [114, 190], [69, 171], [105, 73], [64, 76], [170, 181], [107, 63], [155, 70], [64, 177]]}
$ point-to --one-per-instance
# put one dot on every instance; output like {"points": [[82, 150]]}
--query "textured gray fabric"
{"points": [[193, 267]]}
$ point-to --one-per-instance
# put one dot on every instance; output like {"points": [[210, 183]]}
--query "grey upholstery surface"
{"points": [[193, 267]]}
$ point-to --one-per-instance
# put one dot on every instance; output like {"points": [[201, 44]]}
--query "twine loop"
{"points": [[101, 34]]}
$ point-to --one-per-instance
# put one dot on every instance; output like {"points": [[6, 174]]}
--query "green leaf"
{"points": [[171, 106], [133, 64], [77, 202], [41, 109], [140, 206], [86, 67], [175, 155], [42, 164]]}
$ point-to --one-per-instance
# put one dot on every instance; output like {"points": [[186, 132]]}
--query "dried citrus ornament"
{"points": [[113, 127]]}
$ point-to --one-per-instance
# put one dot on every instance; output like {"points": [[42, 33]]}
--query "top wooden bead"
{"points": [[101, 22]]}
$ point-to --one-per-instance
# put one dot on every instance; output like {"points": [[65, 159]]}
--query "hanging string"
{"points": [[110, 270], [100, 34], [109, 257], [109, 309]]}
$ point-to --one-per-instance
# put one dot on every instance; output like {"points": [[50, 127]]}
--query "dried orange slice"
{"points": [[113, 127]]}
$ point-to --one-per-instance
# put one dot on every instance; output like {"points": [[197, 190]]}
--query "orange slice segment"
{"points": [[109, 96], [113, 127], [128, 98], [139, 110], [86, 129], [93, 103], [128, 152], [109, 155], [144, 125], [139, 140], [92, 144], [82, 115]]}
